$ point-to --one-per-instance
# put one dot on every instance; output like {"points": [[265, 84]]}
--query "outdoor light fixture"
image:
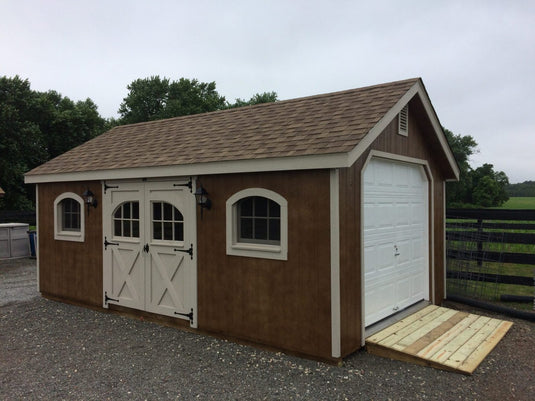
{"points": [[202, 199], [89, 199]]}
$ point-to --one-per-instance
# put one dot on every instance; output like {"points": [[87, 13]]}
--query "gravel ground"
{"points": [[51, 350]]}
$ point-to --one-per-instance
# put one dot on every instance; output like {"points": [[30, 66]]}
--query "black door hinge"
{"points": [[106, 187], [189, 184], [106, 298], [188, 315], [106, 243], [188, 251]]}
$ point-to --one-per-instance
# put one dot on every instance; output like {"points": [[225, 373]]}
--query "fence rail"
{"points": [[17, 216], [485, 246]]}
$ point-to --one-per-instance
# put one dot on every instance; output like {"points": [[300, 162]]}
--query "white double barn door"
{"points": [[149, 255], [395, 237]]}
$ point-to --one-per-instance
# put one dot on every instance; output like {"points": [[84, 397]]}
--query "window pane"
{"points": [[126, 210], [260, 229], [167, 212], [246, 207], [168, 231], [135, 229], [178, 215], [260, 206], [117, 228], [246, 228], [274, 230], [179, 231], [126, 228], [118, 213], [75, 222], [274, 209], [156, 230], [67, 220], [157, 211], [135, 210]]}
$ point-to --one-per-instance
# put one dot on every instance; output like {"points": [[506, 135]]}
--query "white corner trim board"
{"points": [[335, 263]]}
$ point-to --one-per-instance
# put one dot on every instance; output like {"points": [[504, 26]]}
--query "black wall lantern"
{"points": [[202, 199], [89, 198]]}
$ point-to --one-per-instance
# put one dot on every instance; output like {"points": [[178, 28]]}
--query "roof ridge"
{"points": [[269, 104]]}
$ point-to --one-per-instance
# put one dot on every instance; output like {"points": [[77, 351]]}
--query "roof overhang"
{"points": [[308, 162]]}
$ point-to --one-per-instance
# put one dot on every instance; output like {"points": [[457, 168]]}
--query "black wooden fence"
{"points": [[16, 216], [482, 244]]}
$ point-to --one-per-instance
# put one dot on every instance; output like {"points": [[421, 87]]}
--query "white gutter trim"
{"points": [[332, 160]]}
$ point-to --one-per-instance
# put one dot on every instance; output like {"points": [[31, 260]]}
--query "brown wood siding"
{"points": [[284, 304], [421, 144], [70, 270]]}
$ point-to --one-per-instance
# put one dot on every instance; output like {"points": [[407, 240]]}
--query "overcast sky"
{"points": [[476, 58]]}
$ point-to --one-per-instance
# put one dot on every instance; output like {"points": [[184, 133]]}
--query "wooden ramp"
{"points": [[440, 337]]}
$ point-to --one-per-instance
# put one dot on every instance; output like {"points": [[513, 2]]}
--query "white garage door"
{"points": [[395, 237]]}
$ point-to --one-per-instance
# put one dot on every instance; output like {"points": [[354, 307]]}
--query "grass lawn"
{"points": [[519, 203]]}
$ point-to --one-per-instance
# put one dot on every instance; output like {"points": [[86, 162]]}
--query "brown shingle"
{"points": [[315, 125]]}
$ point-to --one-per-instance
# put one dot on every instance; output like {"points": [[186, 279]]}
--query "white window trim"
{"points": [[61, 235], [264, 251]]}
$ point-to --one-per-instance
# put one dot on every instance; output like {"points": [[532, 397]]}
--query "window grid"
{"points": [[70, 215], [259, 220], [167, 222], [126, 220]]}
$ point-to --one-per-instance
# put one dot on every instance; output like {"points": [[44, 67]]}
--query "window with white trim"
{"points": [[126, 220], [167, 222], [257, 224], [69, 218]]}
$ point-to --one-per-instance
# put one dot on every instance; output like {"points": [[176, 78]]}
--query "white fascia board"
{"points": [[366, 142], [327, 161], [372, 135], [438, 129]]}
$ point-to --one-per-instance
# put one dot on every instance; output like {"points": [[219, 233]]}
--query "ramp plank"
{"points": [[441, 338]]}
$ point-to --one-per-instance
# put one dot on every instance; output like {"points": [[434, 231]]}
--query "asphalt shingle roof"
{"points": [[315, 125]]}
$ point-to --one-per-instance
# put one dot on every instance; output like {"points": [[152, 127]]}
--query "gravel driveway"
{"points": [[51, 350]]}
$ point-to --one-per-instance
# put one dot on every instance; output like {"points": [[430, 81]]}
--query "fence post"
{"points": [[480, 242]]}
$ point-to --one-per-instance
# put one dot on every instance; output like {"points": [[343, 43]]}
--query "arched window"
{"points": [[126, 220], [257, 224], [259, 220], [167, 222], [69, 217]]}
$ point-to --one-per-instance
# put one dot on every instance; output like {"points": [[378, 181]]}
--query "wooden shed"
{"points": [[296, 225]]}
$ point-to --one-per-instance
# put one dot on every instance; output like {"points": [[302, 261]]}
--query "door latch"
{"points": [[396, 250], [146, 248]]}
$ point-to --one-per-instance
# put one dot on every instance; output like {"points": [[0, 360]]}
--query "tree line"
{"points": [[522, 189], [38, 126]]}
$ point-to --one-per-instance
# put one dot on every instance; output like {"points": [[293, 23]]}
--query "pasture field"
{"points": [[519, 203]]}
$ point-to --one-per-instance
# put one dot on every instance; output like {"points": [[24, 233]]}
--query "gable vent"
{"points": [[403, 121]]}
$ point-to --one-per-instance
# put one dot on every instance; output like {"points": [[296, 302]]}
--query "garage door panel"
{"points": [[395, 237]]}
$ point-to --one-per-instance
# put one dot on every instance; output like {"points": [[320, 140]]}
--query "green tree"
{"points": [[21, 142], [482, 187], [35, 127], [156, 98], [66, 124], [266, 97]]}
